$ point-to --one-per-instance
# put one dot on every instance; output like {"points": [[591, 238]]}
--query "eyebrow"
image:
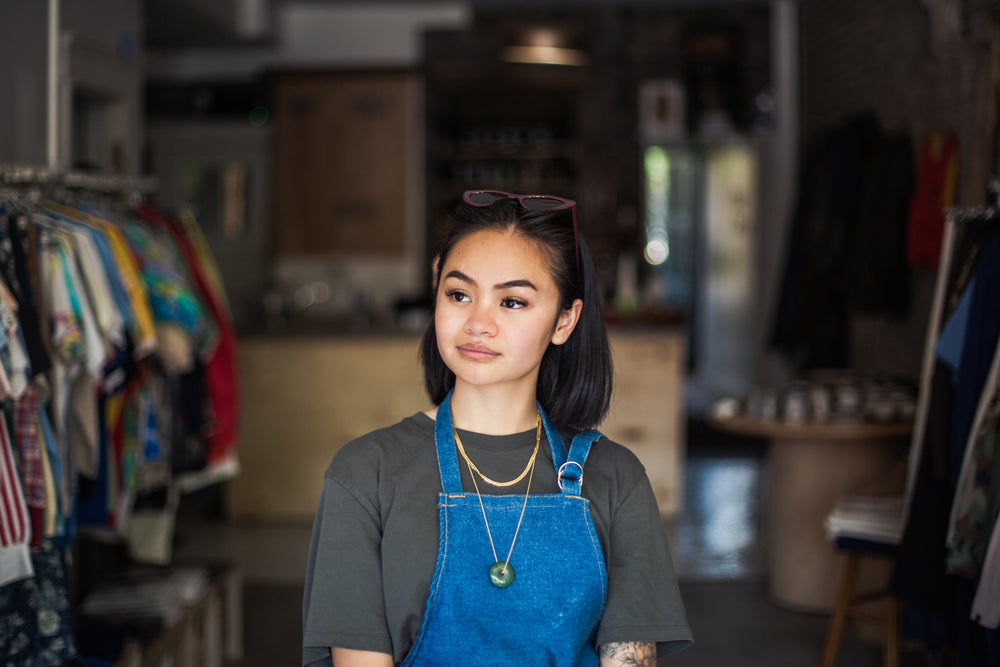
{"points": [[519, 282]]}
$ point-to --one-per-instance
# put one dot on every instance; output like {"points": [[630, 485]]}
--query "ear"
{"points": [[567, 322]]}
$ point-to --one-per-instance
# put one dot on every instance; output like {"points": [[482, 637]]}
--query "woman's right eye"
{"points": [[457, 295]]}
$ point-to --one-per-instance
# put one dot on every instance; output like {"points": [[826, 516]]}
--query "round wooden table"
{"points": [[809, 466]]}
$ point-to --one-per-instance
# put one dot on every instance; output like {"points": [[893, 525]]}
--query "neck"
{"points": [[493, 411]]}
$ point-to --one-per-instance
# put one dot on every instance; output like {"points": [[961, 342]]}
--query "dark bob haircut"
{"points": [[576, 378]]}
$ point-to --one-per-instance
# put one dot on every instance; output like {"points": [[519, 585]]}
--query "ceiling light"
{"points": [[544, 46]]}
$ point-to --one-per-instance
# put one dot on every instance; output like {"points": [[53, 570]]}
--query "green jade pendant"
{"points": [[501, 575]]}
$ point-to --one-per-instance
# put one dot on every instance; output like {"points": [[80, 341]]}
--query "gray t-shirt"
{"points": [[375, 539]]}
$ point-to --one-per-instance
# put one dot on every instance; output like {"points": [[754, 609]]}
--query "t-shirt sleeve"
{"points": [[644, 603], [343, 602]]}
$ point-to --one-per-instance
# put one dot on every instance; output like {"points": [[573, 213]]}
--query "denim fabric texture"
{"points": [[549, 615]]}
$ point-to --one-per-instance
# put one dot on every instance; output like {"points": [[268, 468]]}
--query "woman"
{"points": [[467, 535]]}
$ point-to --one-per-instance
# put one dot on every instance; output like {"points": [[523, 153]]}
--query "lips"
{"points": [[476, 351]]}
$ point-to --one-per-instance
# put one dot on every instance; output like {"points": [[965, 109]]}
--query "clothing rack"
{"points": [[986, 211], [956, 219], [30, 176], [939, 585], [122, 277]]}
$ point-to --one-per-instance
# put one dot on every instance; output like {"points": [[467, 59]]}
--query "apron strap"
{"points": [[569, 467], [569, 475], [556, 445], [444, 440]]}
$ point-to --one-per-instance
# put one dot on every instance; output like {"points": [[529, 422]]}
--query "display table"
{"points": [[809, 466], [209, 632]]}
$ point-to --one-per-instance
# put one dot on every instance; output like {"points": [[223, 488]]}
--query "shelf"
{"points": [[457, 151]]}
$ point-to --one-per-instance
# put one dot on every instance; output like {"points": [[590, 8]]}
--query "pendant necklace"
{"points": [[502, 574]]}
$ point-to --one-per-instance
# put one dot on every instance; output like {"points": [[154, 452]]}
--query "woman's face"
{"points": [[497, 311]]}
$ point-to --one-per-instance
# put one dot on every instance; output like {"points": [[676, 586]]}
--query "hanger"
{"points": [[989, 212]]}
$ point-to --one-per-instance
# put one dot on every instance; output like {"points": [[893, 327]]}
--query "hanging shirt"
{"points": [[98, 287], [986, 604], [172, 297], [19, 366], [125, 267], [6, 391], [221, 378], [145, 333], [94, 351], [15, 527], [936, 177], [119, 296], [63, 476], [24, 267], [29, 446]]}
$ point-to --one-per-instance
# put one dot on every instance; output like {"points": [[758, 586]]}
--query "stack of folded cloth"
{"points": [[146, 593], [871, 518]]}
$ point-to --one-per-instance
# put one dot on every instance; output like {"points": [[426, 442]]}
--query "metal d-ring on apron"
{"points": [[549, 615]]}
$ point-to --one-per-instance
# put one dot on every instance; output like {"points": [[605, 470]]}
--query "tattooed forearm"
{"points": [[628, 654]]}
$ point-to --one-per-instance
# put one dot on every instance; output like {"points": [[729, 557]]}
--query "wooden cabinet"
{"points": [[305, 397], [647, 411], [343, 162]]}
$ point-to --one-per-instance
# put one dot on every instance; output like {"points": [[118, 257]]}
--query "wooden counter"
{"points": [[304, 397]]}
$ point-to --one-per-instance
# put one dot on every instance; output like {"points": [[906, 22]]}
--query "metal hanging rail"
{"points": [[989, 210], [30, 175]]}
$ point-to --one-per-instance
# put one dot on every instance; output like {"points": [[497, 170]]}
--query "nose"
{"points": [[481, 321]]}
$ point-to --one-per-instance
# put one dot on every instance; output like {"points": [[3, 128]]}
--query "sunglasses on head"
{"points": [[482, 198], [530, 202]]}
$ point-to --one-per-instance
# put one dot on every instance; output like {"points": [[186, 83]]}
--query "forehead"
{"points": [[492, 251]]}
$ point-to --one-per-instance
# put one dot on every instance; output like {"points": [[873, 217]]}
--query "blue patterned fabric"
{"points": [[36, 627]]}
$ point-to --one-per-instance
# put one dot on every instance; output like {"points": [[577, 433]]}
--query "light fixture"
{"points": [[544, 46]]}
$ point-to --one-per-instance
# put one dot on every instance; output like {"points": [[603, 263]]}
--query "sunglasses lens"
{"points": [[541, 203], [484, 198]]}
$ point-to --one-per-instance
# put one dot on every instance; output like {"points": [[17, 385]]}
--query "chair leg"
{"points": [[847, 581], [891, 631]]}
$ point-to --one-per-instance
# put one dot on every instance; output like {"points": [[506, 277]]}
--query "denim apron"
{"points": [[549, 615]]}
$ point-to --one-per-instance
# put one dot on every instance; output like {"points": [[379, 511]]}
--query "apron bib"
{"points": [[549, 615]]}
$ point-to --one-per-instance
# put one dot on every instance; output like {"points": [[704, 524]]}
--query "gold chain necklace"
{"points": [[502, 574], [531, 461]]}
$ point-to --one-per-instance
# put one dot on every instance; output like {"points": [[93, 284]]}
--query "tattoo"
{"points": [[629, 654]]}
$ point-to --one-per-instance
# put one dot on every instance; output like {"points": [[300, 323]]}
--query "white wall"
{"points": [[102, 63], [109, 23], [101, 53], [22, 81], [312, 34]]}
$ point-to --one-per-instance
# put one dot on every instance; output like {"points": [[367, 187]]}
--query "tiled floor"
{"points": [[716, 547]]}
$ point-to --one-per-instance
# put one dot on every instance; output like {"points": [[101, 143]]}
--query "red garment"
{"points": [[221, 368], [29, 444], [935, 191], [15, 526]]}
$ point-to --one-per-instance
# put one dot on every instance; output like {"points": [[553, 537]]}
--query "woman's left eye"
{"points": [[511, 302]]}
